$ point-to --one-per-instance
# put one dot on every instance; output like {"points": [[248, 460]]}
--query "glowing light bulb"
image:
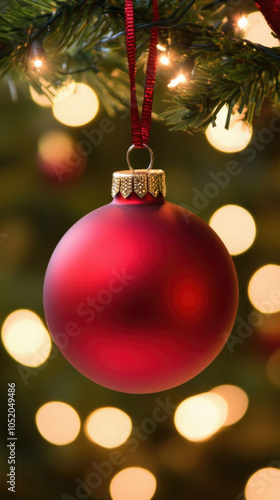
{"points": [[161, 47], [243, 23], [108, 427], [237, 402], [133, 483], [164, 60], [235, 139], [264, 289], [235, 226], [273, 368], [38, 63], [58, 423], [176, 81], [25, 338], [258, 30], [77, 108], [199, 417], [263, 485]]}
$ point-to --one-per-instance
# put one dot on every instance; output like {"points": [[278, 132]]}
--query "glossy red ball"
{"points": [[140, 295]]}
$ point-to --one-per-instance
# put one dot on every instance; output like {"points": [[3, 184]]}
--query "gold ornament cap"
{"points": [[141, 181]]}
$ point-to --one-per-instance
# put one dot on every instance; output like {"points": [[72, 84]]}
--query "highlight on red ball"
{"points": [[60, 158]]}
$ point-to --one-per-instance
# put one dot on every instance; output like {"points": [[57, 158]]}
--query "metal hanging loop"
{"points": [[151, 157]]}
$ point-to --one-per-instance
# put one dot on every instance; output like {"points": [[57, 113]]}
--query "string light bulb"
{"points": [[176, 81], [37, 55], [164, 60], [243, 23]]}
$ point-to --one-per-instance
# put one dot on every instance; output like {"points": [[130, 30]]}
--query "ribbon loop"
{"points": [[141, 128]]}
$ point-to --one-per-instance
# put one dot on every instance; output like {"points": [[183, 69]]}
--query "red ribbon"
{"points": [[271, 11], [141, 128]]}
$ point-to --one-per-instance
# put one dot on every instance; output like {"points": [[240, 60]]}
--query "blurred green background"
{"points": [[35, 213]]}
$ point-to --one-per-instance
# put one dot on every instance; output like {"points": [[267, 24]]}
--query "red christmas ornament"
{"points": [[140, 295], [271, 11]]}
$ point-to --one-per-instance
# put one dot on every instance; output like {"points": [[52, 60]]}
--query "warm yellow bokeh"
{"points": [[273, 368], [264, 289], [108, 427], [235, 226], [258, 31], [25, 338], [54, 145], [133, 483], [199, 417], [58, 422], [264, 485], [77, 108], [42, 99], [237, 401], [235, 139]]}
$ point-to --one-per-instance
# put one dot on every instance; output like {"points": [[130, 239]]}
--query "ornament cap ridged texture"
{"points": [[140, 182]]}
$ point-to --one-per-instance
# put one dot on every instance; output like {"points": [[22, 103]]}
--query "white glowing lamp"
{"points": [[58, 423], [235, 139], [235, 226], [77, 108], [264, 289], [133, 483], [200, 417], [108, 427], [258, 31], [25, 338]]}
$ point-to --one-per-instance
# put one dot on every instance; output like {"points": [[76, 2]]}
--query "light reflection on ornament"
{"points": [[263, 485], [78, 108], [58, 422], [264, 289], [235, 139], [237, 401], [258, 31], [108, 427], [25, 338], [133, 483], [200, 417], [235, 226]]}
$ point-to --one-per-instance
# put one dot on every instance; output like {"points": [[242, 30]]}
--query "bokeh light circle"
{"points": [[25, 338], [258, 31], [76, 108], [108, 427], [237, 401], [264, 289], [58, 422], [133, 483], [200, 417], [263, 485], [235, 139], [235, 226]]}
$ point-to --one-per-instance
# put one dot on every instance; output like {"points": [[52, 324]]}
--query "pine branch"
{"points": [[86, 37], [226, 71]]}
